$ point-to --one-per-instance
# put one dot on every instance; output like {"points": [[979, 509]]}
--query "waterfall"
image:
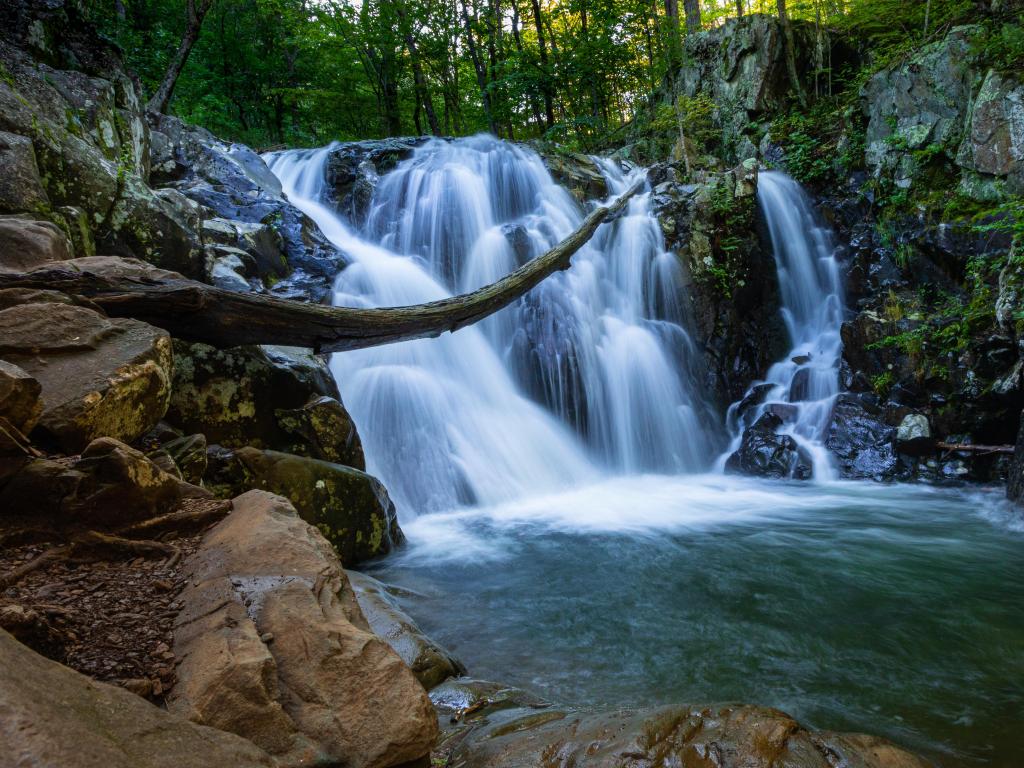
{"points": [[801, 387], [592, 373]]}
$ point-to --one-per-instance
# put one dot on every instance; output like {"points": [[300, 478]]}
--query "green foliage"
{"points": [[823, 142]]}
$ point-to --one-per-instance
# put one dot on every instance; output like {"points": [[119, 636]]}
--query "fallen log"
{"points": [[972, 448], [199, 312]]}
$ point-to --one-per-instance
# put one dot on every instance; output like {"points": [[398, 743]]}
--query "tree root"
{"points": [[47, 557], [179, 522]]}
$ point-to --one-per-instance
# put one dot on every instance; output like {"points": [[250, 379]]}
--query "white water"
{"points": [[590, 375], [804, 384]]}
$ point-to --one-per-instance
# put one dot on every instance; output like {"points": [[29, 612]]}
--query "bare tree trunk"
{"points": [[692, 10], [790, 46], [200, 312], [481, 72], [549, 106], [193, 25], [739, 9]]}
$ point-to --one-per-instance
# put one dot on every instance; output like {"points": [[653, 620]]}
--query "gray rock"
{"points": [[20, 404], [765, 453], [21, 189], [861, 443], [994, 141]]}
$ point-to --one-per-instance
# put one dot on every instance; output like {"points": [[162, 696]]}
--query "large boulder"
{"points": [[99, 376], [920, 101], [353, 170], [268, 397], [720, 736], [859, 440], [273, 647], [350, 508], [53, 716], [27, 243], [431, 664]]}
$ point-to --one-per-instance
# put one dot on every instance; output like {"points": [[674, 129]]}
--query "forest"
{"points": [[572, 72]]}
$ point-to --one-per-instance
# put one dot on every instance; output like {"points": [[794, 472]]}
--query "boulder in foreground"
{"points": [[274, 648], [52, 716]]}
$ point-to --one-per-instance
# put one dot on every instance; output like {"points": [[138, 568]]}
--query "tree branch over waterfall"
{"points": [[201, 312]]}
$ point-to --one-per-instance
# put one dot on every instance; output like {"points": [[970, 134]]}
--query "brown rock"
{"points": [[27, 243], [52, 716], [326, 691], [19, 397], [700, 736], [99, 376]]}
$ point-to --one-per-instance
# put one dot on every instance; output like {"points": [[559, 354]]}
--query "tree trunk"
{"points": [[692, 10], [193, 25], [549, 106], [420, 84], [672, 43], [790, 46], [739, 9], [200, 312], [478, 67]]}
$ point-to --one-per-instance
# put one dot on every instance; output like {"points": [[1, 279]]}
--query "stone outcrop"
{"points": [[431, 664], [764, 452], [724, 736], [942, 99], [353, 170], [273, 647], [267, 397], [350, 508], [53, 716], [99, 376]]}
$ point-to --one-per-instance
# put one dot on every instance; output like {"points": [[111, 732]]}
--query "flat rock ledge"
{"points": [[274, 648], [491, 726]]}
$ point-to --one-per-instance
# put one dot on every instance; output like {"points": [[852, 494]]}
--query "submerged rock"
{"points": [[53, 716], [720, 736], [431, 664], [273, 647]]}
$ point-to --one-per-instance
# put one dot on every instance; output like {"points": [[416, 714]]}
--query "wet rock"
{"points": [[431, 664], [860, 442], [268, 397], [350, 508], [578, 173], [99, 376], [765, 453], [51, 715], [322, 689], [20, 405], [26, 243], [353, 170], [1015, 479], [726, 736], [21, 189]]}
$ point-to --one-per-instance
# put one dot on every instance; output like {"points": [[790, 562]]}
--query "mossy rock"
{"points": [[350, 508]]}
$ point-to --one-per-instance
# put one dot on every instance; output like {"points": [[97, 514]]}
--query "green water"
{"points": [[894, 610]]}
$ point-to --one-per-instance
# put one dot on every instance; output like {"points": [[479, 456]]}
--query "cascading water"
{"points": [[589, 373], [800, 388]]}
